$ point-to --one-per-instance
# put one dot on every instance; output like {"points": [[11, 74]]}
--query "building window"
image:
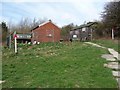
{"points": [[49, 33], [77, 32], [83, 29], [74, 36]]}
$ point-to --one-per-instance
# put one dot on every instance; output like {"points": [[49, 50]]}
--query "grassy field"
{"points": [[58, 65], [109, 43]]}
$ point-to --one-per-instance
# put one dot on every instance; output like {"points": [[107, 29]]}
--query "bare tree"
{"points": [[36, 22], [25, 25]]}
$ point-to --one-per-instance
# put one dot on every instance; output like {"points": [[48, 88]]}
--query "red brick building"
{"points": [[46, 32]]}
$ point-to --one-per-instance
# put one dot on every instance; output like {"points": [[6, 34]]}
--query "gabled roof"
{"points": [[44, 23], [84, 25], [41, 24]]}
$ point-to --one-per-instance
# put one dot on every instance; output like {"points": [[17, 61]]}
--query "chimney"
{"points": [[50, 20]]}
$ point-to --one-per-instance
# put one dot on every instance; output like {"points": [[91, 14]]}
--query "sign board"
{"points": [[15, 36], [24, 36]]}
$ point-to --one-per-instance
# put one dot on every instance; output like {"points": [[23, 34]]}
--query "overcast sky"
{"points": [[61, 12]]}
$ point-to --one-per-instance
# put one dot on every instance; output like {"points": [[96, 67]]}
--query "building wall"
{"points": [[81, 34], [46, 33]]}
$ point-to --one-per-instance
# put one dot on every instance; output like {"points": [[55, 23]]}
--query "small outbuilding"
{"points": [[46, 32], [21, 38]]}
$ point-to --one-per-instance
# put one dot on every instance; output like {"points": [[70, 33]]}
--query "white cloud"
{"points": [[66, 16], [88, 10]]}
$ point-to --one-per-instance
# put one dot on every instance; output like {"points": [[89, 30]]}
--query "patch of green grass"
{"points": [[71, 65], [109, 43]]}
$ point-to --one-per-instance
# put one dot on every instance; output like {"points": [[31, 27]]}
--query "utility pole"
{"points": [[112, 33]]}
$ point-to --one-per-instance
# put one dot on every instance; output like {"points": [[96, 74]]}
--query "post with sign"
{"points": [[15, 38], [15, 44]]}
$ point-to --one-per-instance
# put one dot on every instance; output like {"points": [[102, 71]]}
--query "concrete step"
{"points": [[108, 57], [112, 66], [116, 74], [114, 53], [118, 80], [2, 82]]}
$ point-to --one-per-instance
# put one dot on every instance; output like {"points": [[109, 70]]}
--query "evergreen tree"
{"points": [[4, 30]]}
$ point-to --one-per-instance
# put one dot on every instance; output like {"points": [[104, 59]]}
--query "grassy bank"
{"points": [[72, 65], [109, 43]]}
